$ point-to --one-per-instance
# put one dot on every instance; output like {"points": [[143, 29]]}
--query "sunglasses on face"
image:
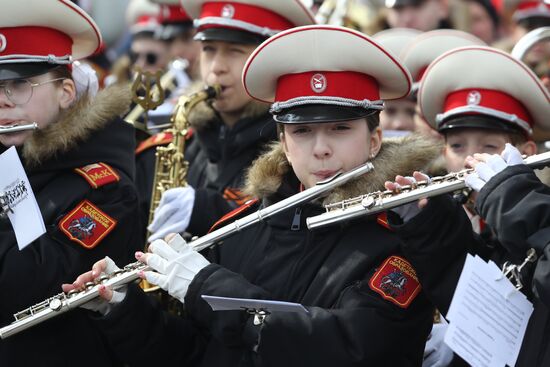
{"points": [[151, 58]]}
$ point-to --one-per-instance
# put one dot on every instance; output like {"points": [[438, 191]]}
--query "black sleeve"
{"points": [[141, 334], [436, 242], [516, 204], [360, 329]]}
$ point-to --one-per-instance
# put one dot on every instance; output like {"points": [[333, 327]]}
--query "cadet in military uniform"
{"points": [[232, 131], [365, 304], [80, 166], [481, 99]]}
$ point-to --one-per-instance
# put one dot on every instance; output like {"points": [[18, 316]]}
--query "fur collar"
{"points": [[398, 156], [76, 124], [203, 115]]}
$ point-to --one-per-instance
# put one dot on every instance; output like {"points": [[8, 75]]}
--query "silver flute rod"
{"points": [[16, 128], [292, 201], [377, 202], [62, 302]]}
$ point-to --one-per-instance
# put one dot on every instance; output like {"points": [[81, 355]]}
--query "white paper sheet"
{"points": [[26, 218], [488, 316], [228, 304]]}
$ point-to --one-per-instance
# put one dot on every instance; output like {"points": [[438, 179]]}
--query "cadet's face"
{"points": [[149, 54], [461, 143], [222, 63], [43, 108], [398, 115], [424, 17], [481, 24], [318, 151]]}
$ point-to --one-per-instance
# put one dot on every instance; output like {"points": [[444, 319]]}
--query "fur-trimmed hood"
{"points": [[397, 156], [76, 124], [203, 115]]}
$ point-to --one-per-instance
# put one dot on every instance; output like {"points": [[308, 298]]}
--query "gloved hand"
{"points": [[176, 264], [486, 166], [173, 213], [108, 298], [409, 210], [85, 79], [436, 352]]}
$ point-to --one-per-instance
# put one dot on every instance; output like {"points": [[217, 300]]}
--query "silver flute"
{"points": [[16, 128], [380, 201], [64, 302]]}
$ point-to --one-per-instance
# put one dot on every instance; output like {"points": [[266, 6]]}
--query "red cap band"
{"points": [[493, 99], [251, 14], [343, 84], [173, 14], [35, 41], [525, 5]]}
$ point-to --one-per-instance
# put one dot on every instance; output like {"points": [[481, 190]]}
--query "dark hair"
{"points": [[61, 71]]}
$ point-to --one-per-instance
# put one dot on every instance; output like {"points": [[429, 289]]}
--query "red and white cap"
{"points": [[396, 40], [483, 87], [54, 32], [426, 47], [323, 73], [532, 8], [173, 18], [245, 21]]}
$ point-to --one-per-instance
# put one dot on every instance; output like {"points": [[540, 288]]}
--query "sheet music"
{"points": [[488, 316], [26, 218]]}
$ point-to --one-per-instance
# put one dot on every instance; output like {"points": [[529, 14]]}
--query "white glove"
{"points": [[173, 213], [484, 171], [99, 304], [436, 352], [176, 265]]}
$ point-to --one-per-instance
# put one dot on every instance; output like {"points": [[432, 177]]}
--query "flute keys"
{"points": [[55, 304]]}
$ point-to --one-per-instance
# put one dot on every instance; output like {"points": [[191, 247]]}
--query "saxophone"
{"points": [[170, 165]]}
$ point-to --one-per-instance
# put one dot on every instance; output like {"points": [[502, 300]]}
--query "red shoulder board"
{"points": [[382, 219], [396, 281], [87, 225], [234, 214], [98, 174], [153, 141], [236, 196]]}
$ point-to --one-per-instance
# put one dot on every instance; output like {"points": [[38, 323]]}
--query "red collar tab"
{"points": [[396, 281], [156, 140], [173, 14], [246, 13], [344, 84], [234, 214], [26, 42], [492, 99]]}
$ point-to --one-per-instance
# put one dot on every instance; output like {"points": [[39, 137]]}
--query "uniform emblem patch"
{"points": [[87, 224], [98, 174], [396, 281]]}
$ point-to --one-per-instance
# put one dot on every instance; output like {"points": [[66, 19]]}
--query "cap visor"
{"points": [[480, 122], [321, 113], [24, 70], [229, 35]]}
